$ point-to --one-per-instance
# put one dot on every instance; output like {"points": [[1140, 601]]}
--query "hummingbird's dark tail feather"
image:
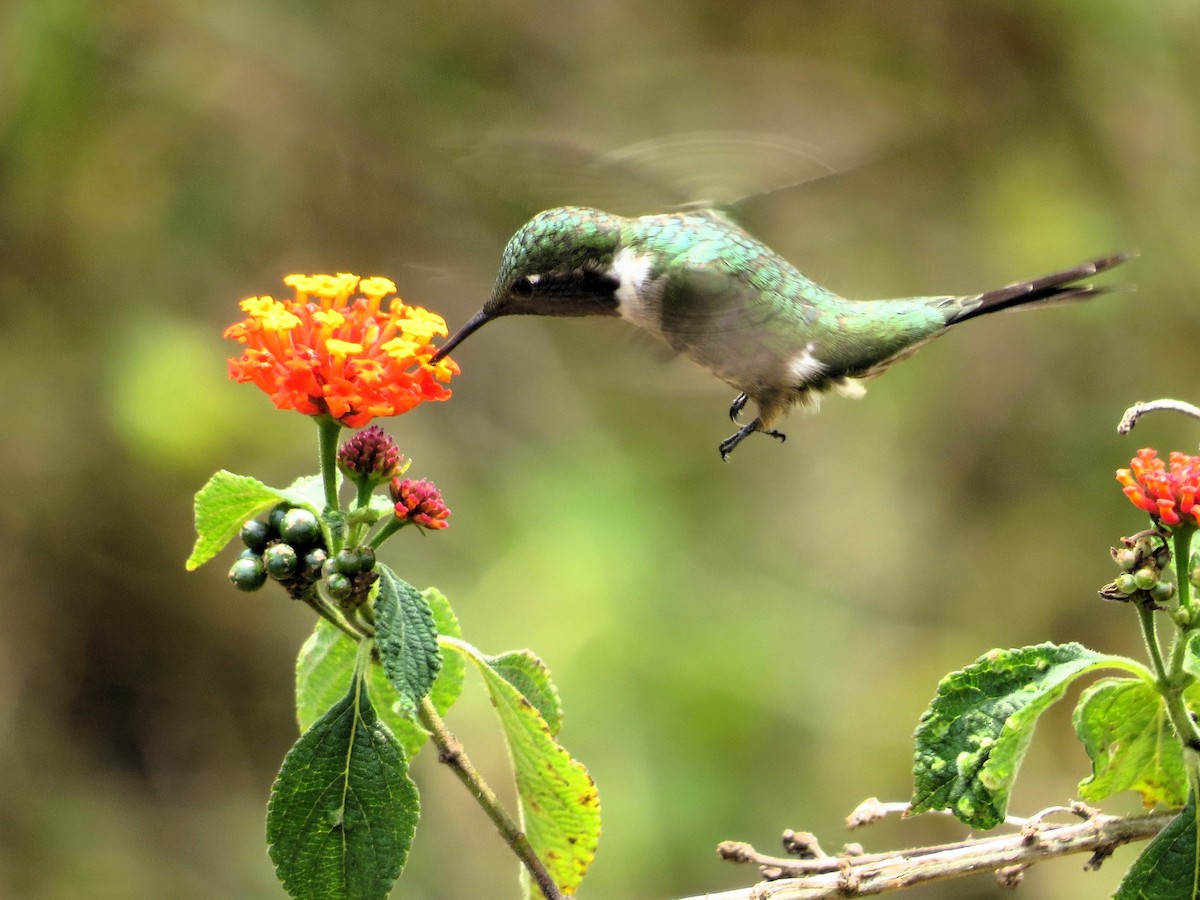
{"points": [[1056, 288]]}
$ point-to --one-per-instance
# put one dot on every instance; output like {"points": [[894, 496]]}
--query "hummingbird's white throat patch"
{"points": [[633, 275]]}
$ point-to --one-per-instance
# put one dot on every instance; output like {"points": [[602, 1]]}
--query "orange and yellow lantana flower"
{"points": [[335, 349]]}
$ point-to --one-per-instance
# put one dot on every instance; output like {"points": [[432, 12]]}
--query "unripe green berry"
{"points": [[299, 527], [1182, 616], [281, 561], [366, 559], [248, 573], [339, 586], [313, 562], [1125, 584], [347, 562], [255, 534], [275, 516], [1145, 578], [1163, 591]]}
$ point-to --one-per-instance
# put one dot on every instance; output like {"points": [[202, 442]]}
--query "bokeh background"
{"points": [[741, 648]]}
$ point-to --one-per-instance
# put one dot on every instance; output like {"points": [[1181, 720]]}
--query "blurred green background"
{"points": [[741, 648]]}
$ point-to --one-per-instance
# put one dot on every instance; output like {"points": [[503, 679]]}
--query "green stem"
{"points": [[1182, 551], [1174, 679], [329, 430], [391, 527], [333, 618], [1150, 635], [1181, 719], [450, 751], [362, 498]]}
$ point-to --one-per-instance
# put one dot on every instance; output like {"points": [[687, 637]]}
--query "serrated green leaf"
{"points": [[1169, 867], [1124, 727], [971, 740], [343, 810], [560, 807], [308, 491], [324, 666], [222, 506], [530, 676], [326, 663], [448, 685], [406, 637]]}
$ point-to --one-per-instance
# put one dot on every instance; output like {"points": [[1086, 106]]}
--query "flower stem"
{"points": [[1150, 634], [329, 430], [450, 751], [1174, 679], [362, 499], [327, 613], [390, 527]]}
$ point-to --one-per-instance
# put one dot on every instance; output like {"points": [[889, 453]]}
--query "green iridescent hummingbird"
{"points": [[706, 288]]}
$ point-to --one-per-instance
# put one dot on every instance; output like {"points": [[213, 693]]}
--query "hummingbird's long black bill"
{"points": [[476, 322]]}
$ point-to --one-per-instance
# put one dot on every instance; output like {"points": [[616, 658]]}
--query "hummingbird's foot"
{"points": [[726, 446], [736, 407]]}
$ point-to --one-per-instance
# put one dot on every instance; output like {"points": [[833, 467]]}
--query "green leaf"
{"points": [[560, 807], [407, 638], [449, 683], [1169, 867], [971, 740], [222, 506], [326, 662], [308, 491], [1124, 727], [343, 810], [531, 678]]}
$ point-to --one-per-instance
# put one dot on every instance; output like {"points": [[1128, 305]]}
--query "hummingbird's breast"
{"points": [[711, 291]]}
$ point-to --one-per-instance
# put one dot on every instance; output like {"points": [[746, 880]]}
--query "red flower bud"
{"points": [[419, 502], [371, 455]]}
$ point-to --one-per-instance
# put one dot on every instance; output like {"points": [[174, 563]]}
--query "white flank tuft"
{"points": [[633, 274], [805, 367], [851, 387]]}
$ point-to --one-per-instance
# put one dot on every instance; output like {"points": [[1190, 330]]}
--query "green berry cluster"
{"points": [[1144, 559], [289, 548]]}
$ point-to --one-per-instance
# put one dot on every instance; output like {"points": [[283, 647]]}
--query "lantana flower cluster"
{"points": [[1166, 489], [337, 349]]}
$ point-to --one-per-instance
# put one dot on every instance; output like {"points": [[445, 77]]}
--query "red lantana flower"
{"points": [[1167, 492], [420, 503], [335, 349]]}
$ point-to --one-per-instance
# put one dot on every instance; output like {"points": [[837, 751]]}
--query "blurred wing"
{"points": [[721, 320]]}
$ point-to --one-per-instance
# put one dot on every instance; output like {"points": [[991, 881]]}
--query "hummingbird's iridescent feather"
{"points": [[733, 305]]}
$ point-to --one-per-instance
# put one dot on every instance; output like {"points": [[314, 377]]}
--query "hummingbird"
{"points": [[706, 288]]}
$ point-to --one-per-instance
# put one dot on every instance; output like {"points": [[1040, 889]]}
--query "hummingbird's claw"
{"points": [[736, 407], [726, 446]]}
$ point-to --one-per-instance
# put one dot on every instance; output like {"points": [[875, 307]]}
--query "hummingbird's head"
{"points": [[559, 263]]}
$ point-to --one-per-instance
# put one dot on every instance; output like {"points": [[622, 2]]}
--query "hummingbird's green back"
{"points": [[740, 309]]}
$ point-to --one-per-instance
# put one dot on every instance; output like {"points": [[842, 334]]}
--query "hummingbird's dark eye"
{"points": [[523, 286]]}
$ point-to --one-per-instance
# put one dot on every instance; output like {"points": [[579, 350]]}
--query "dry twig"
{"points": [[810, 873]]}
